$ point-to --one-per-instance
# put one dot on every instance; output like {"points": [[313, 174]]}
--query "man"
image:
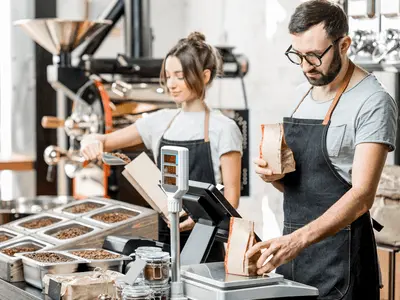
{"points": [[340, 135]]}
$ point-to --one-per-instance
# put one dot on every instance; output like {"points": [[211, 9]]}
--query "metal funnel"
{"points": [[57, 35]]}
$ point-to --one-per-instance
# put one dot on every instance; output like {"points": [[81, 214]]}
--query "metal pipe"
{"points": [[175, 247], [138, 34], [113, 12], [62, 141]]}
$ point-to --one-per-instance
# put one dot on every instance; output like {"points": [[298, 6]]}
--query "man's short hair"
{"points": [[314, 12]]}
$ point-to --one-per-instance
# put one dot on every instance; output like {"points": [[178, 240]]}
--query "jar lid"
{"points": [[120, 282], [147, 249], [137, 291], [150, 256], [160, 287]]}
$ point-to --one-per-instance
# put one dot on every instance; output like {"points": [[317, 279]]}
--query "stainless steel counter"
{"points": [[20, 291]]}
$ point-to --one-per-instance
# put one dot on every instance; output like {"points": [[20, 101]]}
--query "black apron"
{"points": [[200, 169], [343, 266]]}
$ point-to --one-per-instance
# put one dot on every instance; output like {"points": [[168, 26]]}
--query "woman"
{"points": [[214, 141]]}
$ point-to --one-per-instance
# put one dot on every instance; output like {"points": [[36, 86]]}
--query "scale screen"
{"points": [[170, 169], [170, 180]]}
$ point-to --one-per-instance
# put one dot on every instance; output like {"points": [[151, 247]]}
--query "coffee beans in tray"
{"points": [[83, 208], [95, 254], [39, 223], [4, 238], [111, 217], [19, 249], [48, 257], [70, 233], [122, 156]]}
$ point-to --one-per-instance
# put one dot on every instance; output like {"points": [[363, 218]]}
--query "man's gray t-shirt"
{"points": [[366, 113]]}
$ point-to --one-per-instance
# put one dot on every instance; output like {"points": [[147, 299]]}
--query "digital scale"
{"points": [[210, 282], [207, 206]]}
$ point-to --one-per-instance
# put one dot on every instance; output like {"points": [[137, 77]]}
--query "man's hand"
{"points": [[186, 225], [283, 249], [265, 173]]}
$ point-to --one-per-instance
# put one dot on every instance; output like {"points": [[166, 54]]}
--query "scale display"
{"points": [[171, 159], [170, 170], [170, 180]]}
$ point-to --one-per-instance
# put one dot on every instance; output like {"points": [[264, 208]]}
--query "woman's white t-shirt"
{"points": [[224, 134]]}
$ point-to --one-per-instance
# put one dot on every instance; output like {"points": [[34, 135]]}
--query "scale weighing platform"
{"points": [[210, 282]]}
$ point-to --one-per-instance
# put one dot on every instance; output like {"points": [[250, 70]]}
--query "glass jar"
{"points": [[137, 292], [140, 251], [156, 271], [119, 286], [161, 292]]}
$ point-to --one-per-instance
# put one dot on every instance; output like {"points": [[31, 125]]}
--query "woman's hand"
{"points": [[92, 146]]}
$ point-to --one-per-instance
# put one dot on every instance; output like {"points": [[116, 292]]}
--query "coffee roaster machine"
{"points": [[375, 31], [103, 95]]}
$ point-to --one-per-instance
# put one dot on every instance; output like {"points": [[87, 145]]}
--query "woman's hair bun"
{"points": [[196, 36]]}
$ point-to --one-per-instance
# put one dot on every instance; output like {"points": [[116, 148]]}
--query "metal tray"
{"points": [[113, 264], [116, 208], [34, 271], [47, 234], [63, 210], [11, 266], [11, 233], [17, 225]]}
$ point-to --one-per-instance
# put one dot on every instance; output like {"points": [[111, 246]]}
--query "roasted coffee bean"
{"points": [[95, 254], [70, 233], [49, 257], [40, 222], [82, 208], [122, 156], [4, 238], [12, 251], [111, 217]]}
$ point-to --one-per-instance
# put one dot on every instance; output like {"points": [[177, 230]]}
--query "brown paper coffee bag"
{"points": [[275, 151], [241, 239]]}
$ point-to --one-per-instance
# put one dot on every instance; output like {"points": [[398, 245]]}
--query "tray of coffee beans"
{"points": [[112, 216], [66, 232], [81, 207], [36, 222], [38, 264], [107, 260], [10, 263], [7, 235]]}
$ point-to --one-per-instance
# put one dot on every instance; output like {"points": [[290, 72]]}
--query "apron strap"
{"points": [[206, 124], [339, 93], [301, 101]]}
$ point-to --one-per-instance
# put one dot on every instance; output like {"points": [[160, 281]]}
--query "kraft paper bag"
{"points": [[275, 151], [145, 177], [241, 239]]}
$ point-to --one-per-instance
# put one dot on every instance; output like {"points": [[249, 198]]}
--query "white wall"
{"points": [[258, 29], [17, 96]]}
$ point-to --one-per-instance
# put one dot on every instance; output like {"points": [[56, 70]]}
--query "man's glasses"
{"points": [[312, 58]]}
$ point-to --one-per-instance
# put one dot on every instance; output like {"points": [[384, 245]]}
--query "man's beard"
{"points": [[334, 70]]}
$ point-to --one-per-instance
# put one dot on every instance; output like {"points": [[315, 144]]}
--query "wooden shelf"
{"points": [[16, 162]]}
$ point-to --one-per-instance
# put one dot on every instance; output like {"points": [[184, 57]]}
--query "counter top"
{"points": [[16, 162]]}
